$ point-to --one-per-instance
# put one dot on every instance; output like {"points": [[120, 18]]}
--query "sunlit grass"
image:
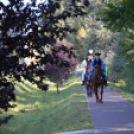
{"points": [[121, 90], [38, 112]]}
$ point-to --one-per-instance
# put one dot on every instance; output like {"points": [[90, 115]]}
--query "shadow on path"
{"points": [[115, 115]]}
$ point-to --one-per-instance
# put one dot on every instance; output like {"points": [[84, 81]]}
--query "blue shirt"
{"points": [[102, 67]]}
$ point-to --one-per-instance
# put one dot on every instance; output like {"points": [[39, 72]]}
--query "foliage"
{"points": [[57, 73], [79, 46], [126, 46], [20, 27], [75, 38], [118, 17], [117, 14], [6, 96], [98, 38]]}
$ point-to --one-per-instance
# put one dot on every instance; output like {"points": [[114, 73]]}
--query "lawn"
{"points": [[120, 88], [39, 112]]}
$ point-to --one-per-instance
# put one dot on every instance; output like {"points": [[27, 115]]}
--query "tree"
{"points": [[117, 14], [118, 17], [97, 37], [58, 73], [19, 26]]}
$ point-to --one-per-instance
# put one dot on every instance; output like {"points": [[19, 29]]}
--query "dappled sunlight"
{"points": [[114, 111], [36, 108], [25, 87], [16, 109], [20, 98], [83, 101], [32, 105], [120, 129], [130, 125], [67, 99], [52, 89], [49, 82], [19, 89], [73, 96], [69, 85]]}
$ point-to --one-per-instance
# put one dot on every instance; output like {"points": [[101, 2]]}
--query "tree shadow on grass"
{"points": [[126, 93], [69, 100], [29, 96], [122, 88]]}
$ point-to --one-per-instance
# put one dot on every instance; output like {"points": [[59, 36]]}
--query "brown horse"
{"points": [[97, 82], [86, 75], [88, 87]]}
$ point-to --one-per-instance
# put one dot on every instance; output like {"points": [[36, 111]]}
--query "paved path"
{"points": [[114, 116]]}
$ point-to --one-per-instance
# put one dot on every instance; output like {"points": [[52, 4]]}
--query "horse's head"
{"points": [[98, 72], [88, 68]]}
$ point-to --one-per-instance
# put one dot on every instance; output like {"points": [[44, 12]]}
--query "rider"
{"points": [[98, 61], [86, 62]]}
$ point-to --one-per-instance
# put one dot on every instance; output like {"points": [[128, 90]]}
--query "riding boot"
{"points": [[83, 82], [106, 83], [89, 81]]}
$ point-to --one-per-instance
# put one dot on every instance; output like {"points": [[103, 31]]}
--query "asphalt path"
{"points": [[114, 116]]}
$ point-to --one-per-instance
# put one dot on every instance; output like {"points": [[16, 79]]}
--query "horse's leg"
{"points": [[96, 93], [89, 90], [87, 86], [101, 93], [92, 90], [86, 83]]}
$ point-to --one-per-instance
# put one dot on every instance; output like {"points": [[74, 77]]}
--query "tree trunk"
{"points": [[57, 89], [62, 82]]}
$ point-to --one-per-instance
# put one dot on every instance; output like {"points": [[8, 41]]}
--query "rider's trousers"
{"points": [[103, 74], [83, 73]]}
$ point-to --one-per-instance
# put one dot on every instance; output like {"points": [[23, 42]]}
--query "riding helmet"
{"points": [[90, 52], [97, 54]]}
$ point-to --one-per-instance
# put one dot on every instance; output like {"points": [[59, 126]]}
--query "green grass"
{"points": [[121, 89], [38, 112]]}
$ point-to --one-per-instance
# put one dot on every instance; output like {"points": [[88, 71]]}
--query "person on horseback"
{"points": [[98, 61], [86, 62]]}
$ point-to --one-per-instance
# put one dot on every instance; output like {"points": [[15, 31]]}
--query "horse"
{"points": [[97, 82], [88, 87]]}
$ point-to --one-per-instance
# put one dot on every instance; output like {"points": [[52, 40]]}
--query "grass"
{"points": [[120, 88], [38, 112]]}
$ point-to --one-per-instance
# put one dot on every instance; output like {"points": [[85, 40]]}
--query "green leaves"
{"points": [[117, 15]]}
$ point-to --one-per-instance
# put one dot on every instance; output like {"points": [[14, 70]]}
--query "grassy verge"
{"points": [[38, 112], [120, 88]]}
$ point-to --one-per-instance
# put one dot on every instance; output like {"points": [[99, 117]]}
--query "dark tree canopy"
{"points": [[57, 73], [20, 27]]}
